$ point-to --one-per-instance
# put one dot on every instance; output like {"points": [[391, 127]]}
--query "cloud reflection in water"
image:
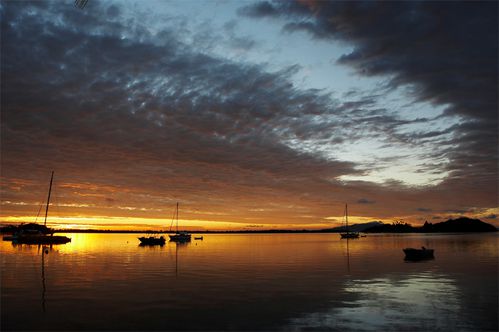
{"points": [[419, 302]]}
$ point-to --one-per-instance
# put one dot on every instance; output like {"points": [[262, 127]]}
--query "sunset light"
{"points": [[249, 165], [244, 118]]}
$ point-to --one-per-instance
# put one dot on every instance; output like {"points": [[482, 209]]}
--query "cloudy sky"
{"points": [[250, 114]]}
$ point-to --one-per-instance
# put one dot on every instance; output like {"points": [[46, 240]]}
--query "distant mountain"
{"points": [[396, 227], [460, 225], [355, 227]]}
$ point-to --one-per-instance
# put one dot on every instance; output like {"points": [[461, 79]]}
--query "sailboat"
{"points": [[38, 234], [181, 236], [347, 234]]}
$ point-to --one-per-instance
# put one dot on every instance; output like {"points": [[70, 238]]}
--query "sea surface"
{"points": [[276, 282]]}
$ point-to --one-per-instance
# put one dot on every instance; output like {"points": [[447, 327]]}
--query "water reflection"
{"points": [[418, 302], [45, 251], [348, 255], [250, 282], [146, 245], [178, 245]]}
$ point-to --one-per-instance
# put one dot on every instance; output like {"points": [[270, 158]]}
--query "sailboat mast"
{"points": [[48, 199], [177, 217], [346, 215]]}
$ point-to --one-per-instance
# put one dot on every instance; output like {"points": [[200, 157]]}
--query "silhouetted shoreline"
{"points": [[460, 225]]}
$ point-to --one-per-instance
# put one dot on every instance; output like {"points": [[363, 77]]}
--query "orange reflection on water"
{"points": [[286, 281]]}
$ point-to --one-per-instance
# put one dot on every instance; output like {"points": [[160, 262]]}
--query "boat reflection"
{"points": [[418, 255], [178, 246]]}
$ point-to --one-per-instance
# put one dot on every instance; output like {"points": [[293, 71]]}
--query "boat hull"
{"points": [[349, 235], [151, 241], [41, 239], [180, 237], [412, 254]]}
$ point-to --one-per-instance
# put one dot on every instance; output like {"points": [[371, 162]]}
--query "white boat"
{"points": [[179, 236], [347, 234]]}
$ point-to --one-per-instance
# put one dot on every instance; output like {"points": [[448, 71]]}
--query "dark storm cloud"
{"points": [[448, 49], [259, 9], [143, 119], [86, 93], [446, 52]]}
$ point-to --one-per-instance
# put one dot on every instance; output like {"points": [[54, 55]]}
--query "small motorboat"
{"points": [[412, 254], [180, 237], [349, 235], [152, 240]]}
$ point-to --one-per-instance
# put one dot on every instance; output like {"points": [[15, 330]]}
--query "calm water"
{"points": [[252, 282]]}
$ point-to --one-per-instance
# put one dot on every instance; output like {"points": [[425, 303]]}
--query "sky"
{"points": [[250, 114]]}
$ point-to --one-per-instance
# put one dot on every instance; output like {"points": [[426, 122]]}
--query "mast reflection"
{"points": [[348, 254], [45, 251]]}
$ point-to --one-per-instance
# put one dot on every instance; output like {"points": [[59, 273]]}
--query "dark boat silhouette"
{"points": [[348, 234], [41, 239], [152, 240], [38, 234], [412, 254], [181, 236]]}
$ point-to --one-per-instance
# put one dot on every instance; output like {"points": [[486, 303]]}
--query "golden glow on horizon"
{"points": [[132, 223], [339, 220], [137, 223]]}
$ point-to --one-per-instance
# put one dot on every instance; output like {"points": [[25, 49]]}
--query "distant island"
{"points": [[459, 225]]}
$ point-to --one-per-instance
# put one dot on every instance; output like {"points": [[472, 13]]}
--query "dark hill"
{"points": [[462, 225], [396, 227], [354, 227]]}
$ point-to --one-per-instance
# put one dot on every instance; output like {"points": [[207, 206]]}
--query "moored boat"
{"points": [[348, 234], [38, 234], [418, 254], [152, 240], [179, 236], [40, 239], [11, 237]]}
